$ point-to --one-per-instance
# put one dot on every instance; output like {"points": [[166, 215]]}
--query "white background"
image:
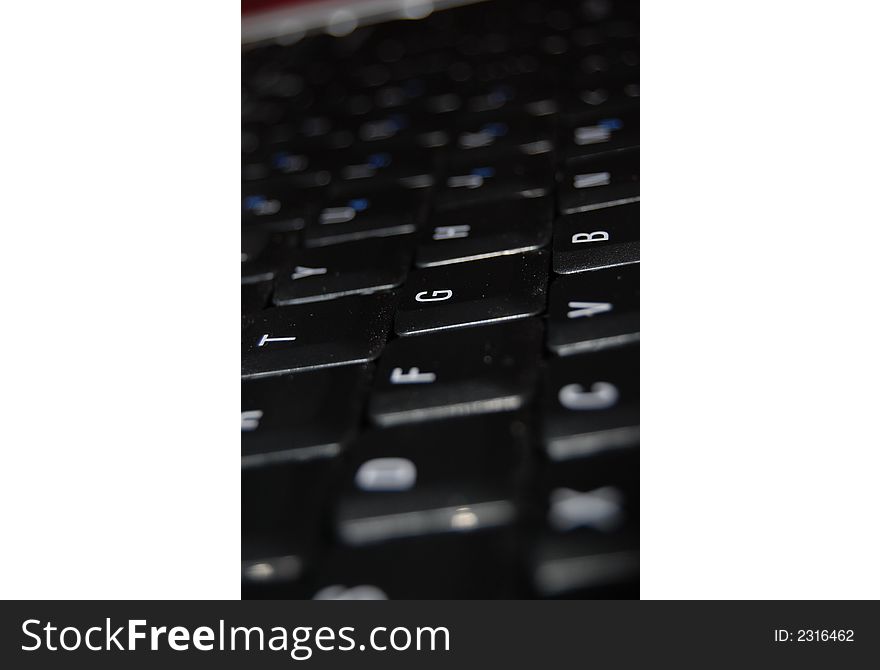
{"points": [[120, 443]]}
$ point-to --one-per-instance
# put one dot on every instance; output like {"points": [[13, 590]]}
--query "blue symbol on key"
{"points": [[483, 172], [611, 124], [379, 160], [398, 120], [279, 160], [253, 202], [495, 129], [359, 204]]}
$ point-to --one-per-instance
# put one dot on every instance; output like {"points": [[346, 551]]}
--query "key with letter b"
{"points": [[597, 239]]}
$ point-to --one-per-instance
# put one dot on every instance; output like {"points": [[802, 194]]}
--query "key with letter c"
{"points": [[591, 404]]}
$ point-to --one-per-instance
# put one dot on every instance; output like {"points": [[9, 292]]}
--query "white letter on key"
{"points": [[597, 236], [444, 294], [299, 272], [592, 179], [250, 419], [398, 376], [386, 474], [266, 338], [451, 232], [579, 309], [601, 395]]}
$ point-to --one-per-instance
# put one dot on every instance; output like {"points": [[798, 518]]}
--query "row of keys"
{"points": [[336, 216], [587, 311], [485, 146], [464, 479], [410, 68], [460, 91], [434, 122], [588, 183], [600, 238], [569, 538], [463, 373]]}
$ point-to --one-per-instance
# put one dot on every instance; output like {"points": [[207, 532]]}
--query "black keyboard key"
{"points": [[597, 96], [294, 168], [254, 167], [458, 476], [372, 214], [401, 130], [321, 334], [383, 127], [470, 182], [475, 370], [466, 294], [302, 416], [308, 136], [604, 180], [271, 207], [591, 404], [482, 231], [488, 135], [254, 296], [441, 103], [529, 93], [361, 171], [344, 269], [255, 266], [253, 243], [459, 566], [596, 134], [596, 239], [257, 271], [593, 310], [587, 566], [275, 250], [282, 507], [589, 541]]}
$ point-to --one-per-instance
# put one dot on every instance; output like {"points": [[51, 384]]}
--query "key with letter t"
{"points": [[316, 335]]}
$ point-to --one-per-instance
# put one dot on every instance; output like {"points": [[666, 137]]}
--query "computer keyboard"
{"points": [[440, 307]]}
